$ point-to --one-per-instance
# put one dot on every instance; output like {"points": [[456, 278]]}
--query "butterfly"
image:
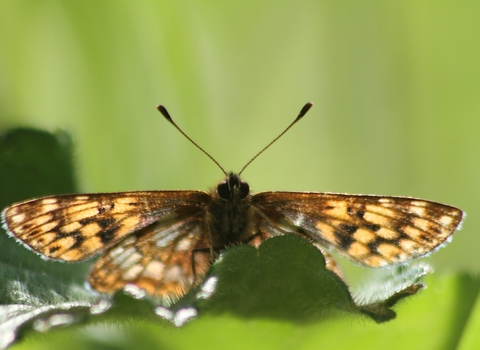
{"points": [[164, 242]]}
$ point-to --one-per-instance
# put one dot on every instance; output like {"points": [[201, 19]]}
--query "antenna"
{"points": [[303, 111], [164, 112]]}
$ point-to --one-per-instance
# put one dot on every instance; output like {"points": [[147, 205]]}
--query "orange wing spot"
{"points": [[375, 261], [48, 201], [390, 252], [49, 207], [420, 211], [17, 218], [380, 211], [90, 230], [420, 223], [125, 201], [63, 244], [364, 236], [49, 226], [82, 208], [377, 219], [326, 231], [414, 233], [91, 245], [409, 246], [358, 250], [128, 225], [73, 255], [419, 203], [387, 233], [108, 282], [385, 201], [446, 220], [41, 220], [41, 241], [336, 209], [122, 208], [76, 215], [71, 227]]}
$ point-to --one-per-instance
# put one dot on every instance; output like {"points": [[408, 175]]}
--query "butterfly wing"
{"points": [[370, 230], [76, 227], [164, 259]]}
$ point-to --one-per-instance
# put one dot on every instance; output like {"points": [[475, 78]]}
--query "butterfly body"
{"points": [[229, 216]]}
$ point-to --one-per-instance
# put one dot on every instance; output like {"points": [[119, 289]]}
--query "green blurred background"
{"points": [[395, 86]]}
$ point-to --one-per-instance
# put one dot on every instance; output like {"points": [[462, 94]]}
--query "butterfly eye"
{"points": [[244, 189], [231, 187], [223, 190]]}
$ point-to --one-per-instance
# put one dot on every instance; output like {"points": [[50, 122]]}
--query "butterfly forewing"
{"points": [[370, 230], [76, 227]]}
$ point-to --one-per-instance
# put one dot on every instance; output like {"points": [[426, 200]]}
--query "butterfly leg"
{"points": [[254, 240], [205, 256]]}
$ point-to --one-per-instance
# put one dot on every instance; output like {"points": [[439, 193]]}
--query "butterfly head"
{"points": [[233, 187]]}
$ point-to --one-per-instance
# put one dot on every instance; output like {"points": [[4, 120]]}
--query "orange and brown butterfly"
{"points": [[165, 241]]}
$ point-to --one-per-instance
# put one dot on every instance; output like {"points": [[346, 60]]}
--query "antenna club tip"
{"points": [[305, 109], [164, 112]]}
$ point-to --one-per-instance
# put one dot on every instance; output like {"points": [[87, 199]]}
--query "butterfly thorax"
{"points": [[229, 211]]}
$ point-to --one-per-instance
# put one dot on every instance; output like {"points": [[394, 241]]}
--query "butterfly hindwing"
{"points": [[165, 258]]}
